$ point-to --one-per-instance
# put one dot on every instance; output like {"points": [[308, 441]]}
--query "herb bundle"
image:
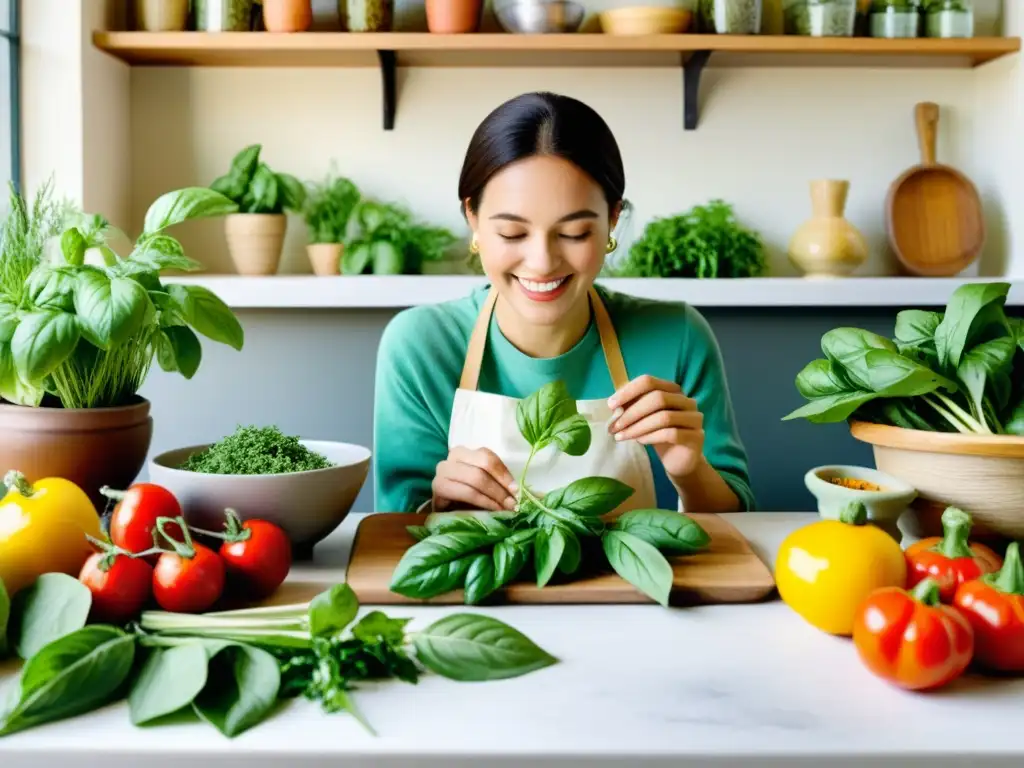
{"points": [[231, 669], [482, 552], [252, 450], [961, 370]]}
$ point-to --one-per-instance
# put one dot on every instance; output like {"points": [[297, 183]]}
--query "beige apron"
{"points": [[484, 420]]}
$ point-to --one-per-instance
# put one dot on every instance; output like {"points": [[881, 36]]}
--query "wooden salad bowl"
{"points": [[981, 474]]}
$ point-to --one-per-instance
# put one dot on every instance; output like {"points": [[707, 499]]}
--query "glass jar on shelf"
{"points": [[366, 15], [820, 18], [895, 18], [225, 15], [730, 17], [949, 18]]}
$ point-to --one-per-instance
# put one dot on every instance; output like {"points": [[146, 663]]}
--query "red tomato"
{"points": [[188, 584], [258, 559], [120, 586], [950, 559], [134, 517]]}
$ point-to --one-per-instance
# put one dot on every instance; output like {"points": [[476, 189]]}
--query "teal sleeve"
{"points": [[703, 378], [412, 409]]}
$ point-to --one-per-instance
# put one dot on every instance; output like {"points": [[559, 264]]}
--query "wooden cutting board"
{"points": [[728, 572]]}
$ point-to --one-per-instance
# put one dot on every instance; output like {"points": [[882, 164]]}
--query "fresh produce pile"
{"points": [[482, 552], [961, 370], [917, 619], [252, 450]]}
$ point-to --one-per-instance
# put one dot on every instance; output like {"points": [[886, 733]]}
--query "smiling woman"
{"points": [[542, 187]]}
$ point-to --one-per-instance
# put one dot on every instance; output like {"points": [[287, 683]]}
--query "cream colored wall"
{"points": [[119, 137]]}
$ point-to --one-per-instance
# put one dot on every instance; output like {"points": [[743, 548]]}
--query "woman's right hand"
{"points": [[475, 478]]}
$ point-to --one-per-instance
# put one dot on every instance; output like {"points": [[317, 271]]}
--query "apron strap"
{"points": [[605, 329]]}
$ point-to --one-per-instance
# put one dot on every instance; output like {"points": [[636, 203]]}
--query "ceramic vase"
{"points": [[448, 17], [325, 258], [827, 245]]}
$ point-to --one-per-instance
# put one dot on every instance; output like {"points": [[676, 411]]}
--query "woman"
{"points": [[542, 187]]}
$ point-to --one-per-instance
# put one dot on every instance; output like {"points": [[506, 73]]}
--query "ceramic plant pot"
{"points": [[885, 497], [447, 17], [325, 258], [255, 241], [92, 447], [161, 15], [287, 15], [827, 245]]}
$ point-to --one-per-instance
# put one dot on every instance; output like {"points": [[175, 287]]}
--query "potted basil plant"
{"points": [[77, 340], [327, 211]]}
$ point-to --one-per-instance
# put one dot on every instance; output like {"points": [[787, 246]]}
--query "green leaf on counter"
{"points": [[241, 689], [667, 531], [52, 606], [472, 647], [639, 563], [378, 627], [332, 610], [78, 673], [169, 680]]}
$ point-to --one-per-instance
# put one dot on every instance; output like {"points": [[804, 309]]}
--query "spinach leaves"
{"points": [[483, 552], [961, 370], [233, 669]]}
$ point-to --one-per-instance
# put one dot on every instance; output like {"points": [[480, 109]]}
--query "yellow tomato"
{"points": [[825, 570], [43, 528]]}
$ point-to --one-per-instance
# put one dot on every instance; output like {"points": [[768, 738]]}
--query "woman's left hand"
{"points": [[656, 412]]}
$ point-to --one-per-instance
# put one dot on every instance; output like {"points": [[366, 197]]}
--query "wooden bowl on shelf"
{"points": [[981, 474], [645, 21]]}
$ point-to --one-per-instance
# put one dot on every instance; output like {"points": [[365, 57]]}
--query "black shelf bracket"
{"points": [[692, 70], [387, 81]]}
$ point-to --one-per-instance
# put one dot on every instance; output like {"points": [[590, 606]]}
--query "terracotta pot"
{"points": [[287, 15], [161, 15], [827, 245], [981, 474], [91, 446], [325, 258], [255, 241], [448, 17]]}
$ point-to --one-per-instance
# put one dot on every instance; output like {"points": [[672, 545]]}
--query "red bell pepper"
{"points": [[911, 639], [994, 604], [950, 559]]}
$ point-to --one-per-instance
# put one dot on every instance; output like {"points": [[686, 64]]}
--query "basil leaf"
{"points": [[639, 563], [589, 496], [184, 345], [473, 522], [668, 531], [53, 605], [169, 680], [111, 310], [540, 412], [183, 204], [915, 334], [479, 578], [572, 553], [293, 194], [571, 435], [438, 564], [831, 408], [355, 258], [205, 312], [548, 548], [332, 610], [848, 346], [971, 310], [379, 627], [242, 686], [891, 374], [418, 532], [42, 341], [52, 288], [5, 615], [158, 252], [8, 321], [78, 673], [822, 378], [472, 647], [981, 365], [510, 555], [73, 246]]}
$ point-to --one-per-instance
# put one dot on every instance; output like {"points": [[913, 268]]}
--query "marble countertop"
{"points": [[636, 685]]}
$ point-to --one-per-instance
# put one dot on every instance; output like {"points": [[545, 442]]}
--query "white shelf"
{"points": [[391, 292]]}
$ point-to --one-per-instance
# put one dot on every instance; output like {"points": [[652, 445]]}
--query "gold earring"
{"points": [[474, 246], [612, 244]]}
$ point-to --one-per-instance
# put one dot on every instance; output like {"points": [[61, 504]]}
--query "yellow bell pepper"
{"points": [[43, 528], [825, 570]]}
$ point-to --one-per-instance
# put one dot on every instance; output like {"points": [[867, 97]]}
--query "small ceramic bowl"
{"points": [[306, 505], [886, 497]]}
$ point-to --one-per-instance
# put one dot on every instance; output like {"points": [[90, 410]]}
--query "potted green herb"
{"points": [[895, 18], [255, 233], [949, 18], [78, 339], [388, 240], [730, 17], [328, 210], [820, 18]]}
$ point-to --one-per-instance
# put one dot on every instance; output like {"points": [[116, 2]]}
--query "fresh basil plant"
{"points": [[550, 531], [85, 334]]}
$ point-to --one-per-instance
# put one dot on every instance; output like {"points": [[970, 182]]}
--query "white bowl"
{"points": [[308, 506]]}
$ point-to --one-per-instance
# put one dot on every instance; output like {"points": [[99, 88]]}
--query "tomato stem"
{"points": [[1010, 578], [110, 552], [233, 529], [186, 548], [956, 530], [854, 513], [111, 494], [927, 592], [16, 480]]}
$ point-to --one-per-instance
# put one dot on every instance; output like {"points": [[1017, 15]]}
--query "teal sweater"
{"points": [[419, 364]]}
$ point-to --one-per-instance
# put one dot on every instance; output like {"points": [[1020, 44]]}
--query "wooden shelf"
{"points": [[387, 292], [420, 49]]}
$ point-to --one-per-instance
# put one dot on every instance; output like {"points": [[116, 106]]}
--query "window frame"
{"points": [[12, 36]]}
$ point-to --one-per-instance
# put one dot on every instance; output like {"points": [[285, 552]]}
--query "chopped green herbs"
{"points": [[255, 450]]}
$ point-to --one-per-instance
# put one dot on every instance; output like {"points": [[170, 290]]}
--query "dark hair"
{"points": [[542, 124]]}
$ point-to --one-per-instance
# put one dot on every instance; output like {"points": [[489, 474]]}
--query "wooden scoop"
{"points": [[933, 212]]}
